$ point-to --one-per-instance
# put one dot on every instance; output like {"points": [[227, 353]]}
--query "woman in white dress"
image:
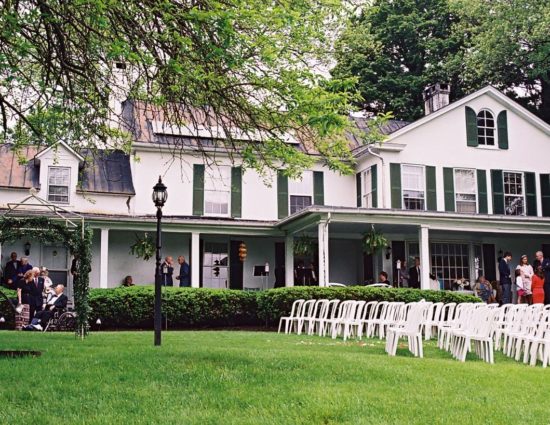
{"points": [[526, 272]]}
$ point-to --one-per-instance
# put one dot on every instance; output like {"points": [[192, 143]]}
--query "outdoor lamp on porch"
{"points": [[27, 248], [160, 195]]}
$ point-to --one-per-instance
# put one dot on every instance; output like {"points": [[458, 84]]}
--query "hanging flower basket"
{"points": [[304, 246], [373, 242], [144, 247]]}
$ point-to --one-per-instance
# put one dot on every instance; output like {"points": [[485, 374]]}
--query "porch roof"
{"points": [[401, 220]]}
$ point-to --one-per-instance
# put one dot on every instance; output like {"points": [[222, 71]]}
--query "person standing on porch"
{"points": [[505, 279], [404, 275], [10, 271], [167, 269], [184, 277], [526, 272], [414, 274], [544, 264]]}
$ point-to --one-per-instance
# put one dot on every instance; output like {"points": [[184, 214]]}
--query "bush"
{"points": [[132, 307]]}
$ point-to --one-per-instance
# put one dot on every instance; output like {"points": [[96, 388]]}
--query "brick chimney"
{"points": [[436, 97]]}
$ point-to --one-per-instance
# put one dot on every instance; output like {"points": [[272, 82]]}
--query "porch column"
{"points": [[424, 246], [104, 260], [289, 260], [195, 260], [323, 253]]}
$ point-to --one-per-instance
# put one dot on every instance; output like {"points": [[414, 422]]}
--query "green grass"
{"points": [[257, 378]]}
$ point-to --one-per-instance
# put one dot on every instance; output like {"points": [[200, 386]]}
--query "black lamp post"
{"points": [[159, 198]]}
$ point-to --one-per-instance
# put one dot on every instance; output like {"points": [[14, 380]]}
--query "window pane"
{"points": [[514, 201], [485, 128], [303, 186], [413, 187], [298, 203]]}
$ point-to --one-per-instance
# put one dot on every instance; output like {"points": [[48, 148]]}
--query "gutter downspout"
{"points": [[383, 188]]}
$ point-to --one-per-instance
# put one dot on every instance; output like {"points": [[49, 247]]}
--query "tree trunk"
{"points": [[544, 111]]}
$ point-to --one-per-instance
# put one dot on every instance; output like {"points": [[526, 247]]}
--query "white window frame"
{"points": [[522, 174], [366, 189], [403, 188], [215, 175], [58, 185], [463, 193], [485, 128], [295, 188]]}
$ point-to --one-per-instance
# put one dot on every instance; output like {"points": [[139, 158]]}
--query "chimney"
{"points": [[436, 97]]}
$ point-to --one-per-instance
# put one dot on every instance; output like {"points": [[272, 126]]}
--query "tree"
{"points": [[508, 45], [244, 64], [396, 49]]}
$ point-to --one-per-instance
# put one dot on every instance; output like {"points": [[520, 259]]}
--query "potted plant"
{"points": [[373, 241], [143, 247]]}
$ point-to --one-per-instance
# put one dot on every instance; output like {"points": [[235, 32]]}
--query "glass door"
{"points": [[215, 265]]}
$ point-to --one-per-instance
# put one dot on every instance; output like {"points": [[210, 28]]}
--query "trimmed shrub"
{"points": [[6, 311], [132, 307]]}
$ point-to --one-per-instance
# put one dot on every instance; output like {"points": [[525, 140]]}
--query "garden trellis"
{"points": [[43, 221]]}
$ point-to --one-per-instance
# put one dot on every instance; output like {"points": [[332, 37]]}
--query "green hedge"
{"points": [[6, 311], [132, 308]]}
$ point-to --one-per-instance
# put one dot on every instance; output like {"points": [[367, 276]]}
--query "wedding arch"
{"points": [[27, 220]]}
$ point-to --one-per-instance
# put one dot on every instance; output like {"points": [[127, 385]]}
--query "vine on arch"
{"points": [[77, 240]]}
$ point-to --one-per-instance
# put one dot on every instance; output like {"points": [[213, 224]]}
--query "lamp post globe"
{"points": [[160, 195]]}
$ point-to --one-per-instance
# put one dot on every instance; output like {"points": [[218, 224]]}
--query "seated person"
{"points": [[434, 283], [484, 290], [56, 299], [128, 281], [383, 278]]}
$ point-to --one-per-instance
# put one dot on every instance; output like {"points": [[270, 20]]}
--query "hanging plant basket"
{"points": [[144, 247], [373, 242], [304, 246]]}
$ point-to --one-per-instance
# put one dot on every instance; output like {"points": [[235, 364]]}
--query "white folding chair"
{"points": [[294, 313]]}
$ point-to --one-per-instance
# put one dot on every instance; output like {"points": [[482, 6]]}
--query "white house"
{"points": [[455, 188]]}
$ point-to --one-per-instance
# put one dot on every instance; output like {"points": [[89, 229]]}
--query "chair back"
{"points": [[296, 308]]}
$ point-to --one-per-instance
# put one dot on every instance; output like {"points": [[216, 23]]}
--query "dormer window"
{"points": [[58, 184], [485, 128]]}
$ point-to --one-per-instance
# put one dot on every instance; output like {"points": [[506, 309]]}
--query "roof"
{"points": [[16, 172], [390, 127], [107, 172], [56, 146], [103, 172]]}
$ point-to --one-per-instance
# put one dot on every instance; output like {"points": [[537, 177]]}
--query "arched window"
{"points": [[485, 128]]}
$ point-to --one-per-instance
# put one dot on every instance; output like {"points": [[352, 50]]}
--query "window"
{"points": [[514, 196], [450, 261], [485, 128], [300, 192], [215, 265], [58, 184], [217, 191], [366, 181], [465, 191], [413, 182]]}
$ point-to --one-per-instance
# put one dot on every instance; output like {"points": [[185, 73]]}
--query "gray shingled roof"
{"points": [[362, 124], [103, 172]]}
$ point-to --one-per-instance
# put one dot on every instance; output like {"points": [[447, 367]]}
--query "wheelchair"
{"points": [[62, 320]]}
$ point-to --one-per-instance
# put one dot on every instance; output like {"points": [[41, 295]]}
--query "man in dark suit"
{"points": [[10, 271], [505, 277], [167, 269], [185, 276], [414, 274], [545, 264], [36, 299], [56, 300]]}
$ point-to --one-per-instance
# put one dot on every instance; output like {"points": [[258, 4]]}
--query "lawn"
{"points": [[227, 377]]}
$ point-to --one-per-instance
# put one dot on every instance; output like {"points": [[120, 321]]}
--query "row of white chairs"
{"points": [[516, 329]]}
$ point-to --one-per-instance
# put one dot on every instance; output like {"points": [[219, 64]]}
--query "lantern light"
{"points": [[160, 195], [242, 251]]}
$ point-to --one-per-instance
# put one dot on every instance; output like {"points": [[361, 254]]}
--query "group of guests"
{"points": [[529, 283], [37, 296], [183, 274]]}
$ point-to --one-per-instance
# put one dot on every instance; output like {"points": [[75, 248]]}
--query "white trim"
{"points": [[65, 145]]}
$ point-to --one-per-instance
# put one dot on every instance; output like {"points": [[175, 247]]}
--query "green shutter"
{"points": [[498, 191], [482, 192], [449, 189], [282, 194], [502, 127], [198, 189], [318, 188], [395, 184], [431, 191], [236, 191], [374, 188], [545, 194], [471, 127], [531, 193], [358, 189]]}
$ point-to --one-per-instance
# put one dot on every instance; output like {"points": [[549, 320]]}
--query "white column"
{"points": [[323, 253], [104, 260], [289, 260], [424, 246], [195, 260]]}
